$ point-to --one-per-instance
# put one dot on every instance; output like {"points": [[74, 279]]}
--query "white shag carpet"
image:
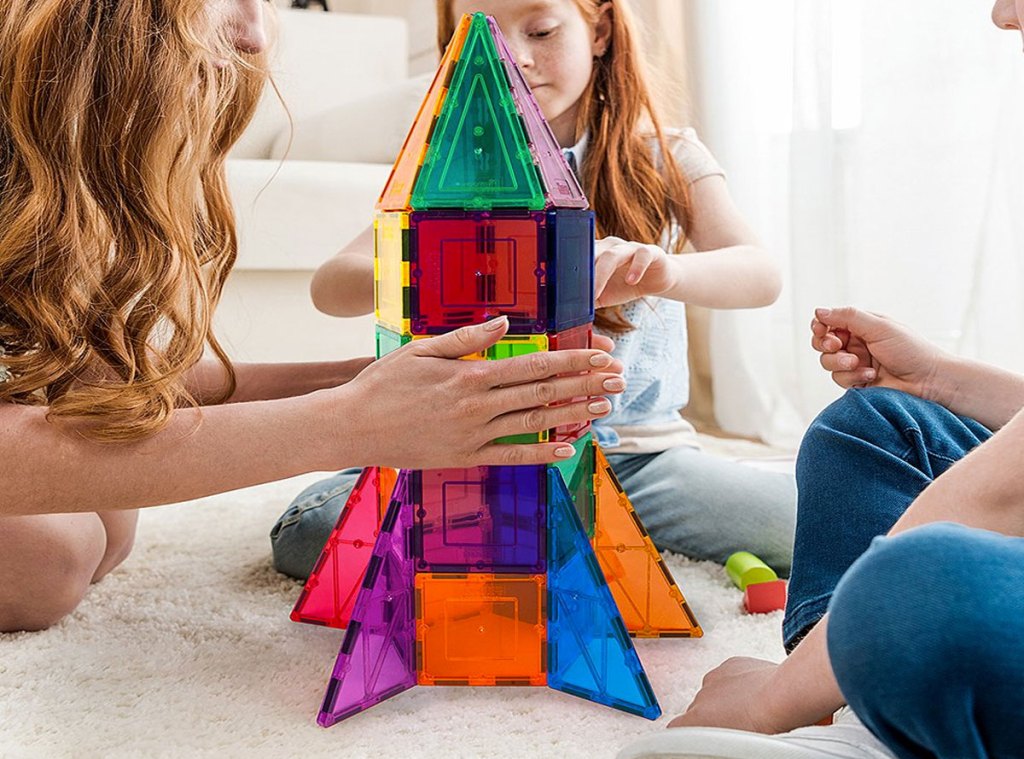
{"points": [[187, 650]]}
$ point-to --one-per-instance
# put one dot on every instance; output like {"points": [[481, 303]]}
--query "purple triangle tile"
{"points": [[378, 654], [560, 184]]}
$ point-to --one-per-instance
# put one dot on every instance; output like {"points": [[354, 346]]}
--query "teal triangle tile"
{"points": [[479, 157], [590, 653], [378, 653]]}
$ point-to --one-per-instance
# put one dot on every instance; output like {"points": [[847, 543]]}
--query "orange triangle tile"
{"points": [[398, 190], [647, 595]]}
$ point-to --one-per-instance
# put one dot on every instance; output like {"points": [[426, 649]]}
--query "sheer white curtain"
{"points": [[877, 148]]}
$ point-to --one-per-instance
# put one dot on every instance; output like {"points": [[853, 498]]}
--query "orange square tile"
{"points": [[481, 629]]}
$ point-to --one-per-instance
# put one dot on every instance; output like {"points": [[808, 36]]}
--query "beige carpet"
{"points": [[187, 650]]}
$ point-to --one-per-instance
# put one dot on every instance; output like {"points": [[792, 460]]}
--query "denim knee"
{"points": [[888, 613], [862, 414], [923, 637], [300, 533]]}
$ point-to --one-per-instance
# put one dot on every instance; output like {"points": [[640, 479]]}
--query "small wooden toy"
{"points": [[763, 591]]}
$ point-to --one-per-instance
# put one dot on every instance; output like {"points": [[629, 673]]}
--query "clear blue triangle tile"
{"points": [[590, 653]]}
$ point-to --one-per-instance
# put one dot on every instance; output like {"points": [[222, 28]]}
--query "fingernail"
{"points": [[599, 407], [822, 313], [495, 324], [848, 363], [600, 359], [565, 452], [614, 384]]}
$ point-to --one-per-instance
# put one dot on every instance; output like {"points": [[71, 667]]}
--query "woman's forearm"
{"points": [[803, 687], [266, 382], [742, 276], [51, 468], [987, 393]]}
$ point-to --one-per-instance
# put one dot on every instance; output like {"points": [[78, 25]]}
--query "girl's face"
{"points": [[555, 46], [242, 23]]}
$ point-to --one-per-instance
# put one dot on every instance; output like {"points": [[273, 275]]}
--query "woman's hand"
{"points": [[863, 349], [737, 694], [625, 271], [420, 408]]}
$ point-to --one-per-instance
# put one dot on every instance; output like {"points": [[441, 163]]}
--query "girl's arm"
{"points": [[416, 408], [730, 268], [983, 490], [343, 285]]}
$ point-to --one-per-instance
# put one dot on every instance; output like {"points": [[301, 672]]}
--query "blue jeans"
{"points": [[925, 628], [925, 637], [861, 464], [301, 531], [706, 507]]}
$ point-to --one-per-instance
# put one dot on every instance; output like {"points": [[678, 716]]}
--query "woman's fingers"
{"points": [[546, 418], [543, 365], [839, 362], [858, 378], [558, 390], [496, 454]]}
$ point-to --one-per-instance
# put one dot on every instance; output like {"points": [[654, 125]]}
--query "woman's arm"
{"points": [[343, 285], [266, 382], [416, 408], [863, 349]]}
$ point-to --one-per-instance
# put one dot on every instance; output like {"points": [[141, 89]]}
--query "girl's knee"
{"points": [[47, 569]]}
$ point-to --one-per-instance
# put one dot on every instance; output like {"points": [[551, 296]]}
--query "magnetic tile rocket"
{"points": [[502, 575]]}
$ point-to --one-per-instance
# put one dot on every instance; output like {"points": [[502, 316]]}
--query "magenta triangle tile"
{"points": [[560, 184]]}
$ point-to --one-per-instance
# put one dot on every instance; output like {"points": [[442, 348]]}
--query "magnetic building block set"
{"points": [[502, 575]]}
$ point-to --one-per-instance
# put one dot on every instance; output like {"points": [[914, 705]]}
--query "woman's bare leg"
{"points": [[120, 527], [47, 563]]}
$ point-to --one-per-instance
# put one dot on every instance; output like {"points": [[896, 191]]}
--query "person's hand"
{"points": [[736, 694], [625, 271], [863, 349], [419, 408]]}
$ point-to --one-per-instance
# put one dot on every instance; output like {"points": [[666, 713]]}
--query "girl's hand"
{"points": [[420, 408], [737, 694], [863, 349], [625, 271]]}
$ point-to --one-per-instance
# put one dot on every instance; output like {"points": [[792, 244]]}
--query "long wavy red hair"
{"points": [[633, 197], [116, 228]]}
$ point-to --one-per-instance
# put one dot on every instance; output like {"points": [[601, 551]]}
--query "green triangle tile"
{"points": [[479, 157]]}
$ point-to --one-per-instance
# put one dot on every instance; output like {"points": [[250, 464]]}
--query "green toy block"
{"points": [[578, 473], [746, 569], [511, 346], [388, 341], [479, 157]]}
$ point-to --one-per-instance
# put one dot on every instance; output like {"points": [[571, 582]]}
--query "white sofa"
{"points": [[295, 212]]}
